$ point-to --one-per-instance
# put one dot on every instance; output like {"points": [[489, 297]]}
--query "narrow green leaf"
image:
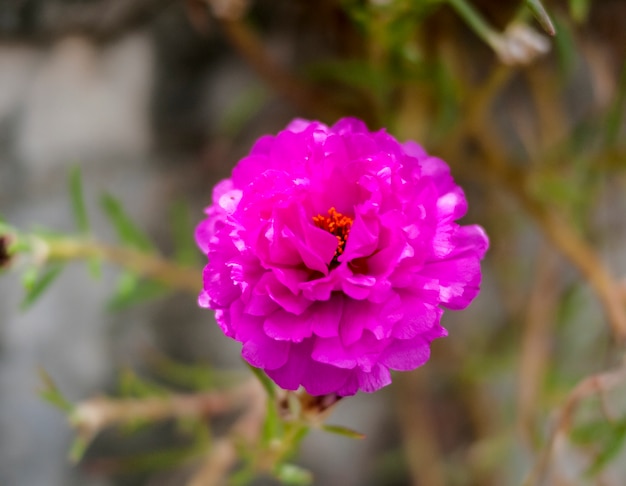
{"points": [[51, 393], [539, 11], [78, 200], [185, 249], [193, 376], [36, 286], [579, 9], [78, 448], [616, 112], [293, 475], [126, 229], [95, 267], [588, 433], [265, 381], [610, 450], [475, 21], [131, 290], [133, 386], [566, 49], [298, 432], [243, 477], [19, 245], [344, 431]]}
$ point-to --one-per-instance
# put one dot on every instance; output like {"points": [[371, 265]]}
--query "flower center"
{"points": [[336, 224]]}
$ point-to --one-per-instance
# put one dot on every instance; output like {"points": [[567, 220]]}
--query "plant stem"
{"points": [[477, 23], [146, 265]]}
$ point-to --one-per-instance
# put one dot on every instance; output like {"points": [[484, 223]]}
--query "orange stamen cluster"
{"points": [[336, 224]]}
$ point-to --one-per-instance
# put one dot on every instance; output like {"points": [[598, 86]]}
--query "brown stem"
{"points": [[223, 455], [421, 444], [592, 385], [216, 465], [578, 251], [540, 322], [558, 231], [96, 414], [146, 265], [250, 47]]}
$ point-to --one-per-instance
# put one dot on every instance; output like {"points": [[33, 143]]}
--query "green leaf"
{"points": [[95, 267], [243, 477], [474, 20], [51, 394], [185, 249], [579, 9], [344, 431], [293, 475], [539, 11], [565, 47], [616, 113], [4, 227], [36, 284], [193, 376], [610, 450], [126, 229], [78, 201], [78, 448], [132, 386], [131, 290], [591, 432]]}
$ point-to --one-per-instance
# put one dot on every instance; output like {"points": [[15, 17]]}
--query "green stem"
{"points": [[478, 24], [295, 433]]}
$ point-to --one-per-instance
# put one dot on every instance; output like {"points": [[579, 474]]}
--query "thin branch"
{"points": [[539, 324], [92, 416], [561, 234], [421, 444], [595, 384], [251, 47], [223, 455], [217, 464], [146, 265], [558, 231]]}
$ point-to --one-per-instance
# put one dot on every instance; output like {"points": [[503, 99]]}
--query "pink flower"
{"points": [[331, 252]]}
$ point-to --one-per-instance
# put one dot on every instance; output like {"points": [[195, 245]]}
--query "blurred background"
{"points": [[156, 100]]}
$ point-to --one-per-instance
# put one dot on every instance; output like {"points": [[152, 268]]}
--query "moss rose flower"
{"points": [[331, 252]]}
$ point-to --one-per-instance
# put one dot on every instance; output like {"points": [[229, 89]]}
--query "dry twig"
{"points": [[421, 443], [92, 416], [595, 384], [540, 321]]}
